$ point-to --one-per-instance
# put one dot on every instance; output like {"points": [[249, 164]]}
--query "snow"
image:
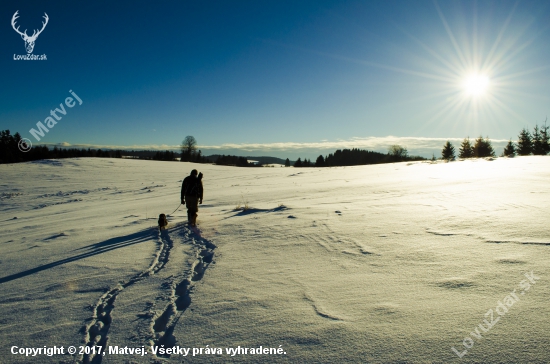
{"points": [[382, 263]]}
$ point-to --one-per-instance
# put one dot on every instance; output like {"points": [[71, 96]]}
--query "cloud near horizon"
{"points": [[415, 145]]}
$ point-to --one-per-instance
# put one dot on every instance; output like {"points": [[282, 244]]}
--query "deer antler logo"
{"points": [[29, 41]]}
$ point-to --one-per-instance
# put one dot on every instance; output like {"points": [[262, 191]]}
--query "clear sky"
{"points": [[281, 78]]}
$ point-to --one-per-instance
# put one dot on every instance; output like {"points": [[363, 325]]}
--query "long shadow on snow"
{"points": [[244, 212], [94, 249]]}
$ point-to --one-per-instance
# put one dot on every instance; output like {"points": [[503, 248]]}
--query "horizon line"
{"points": [[410, 143]]}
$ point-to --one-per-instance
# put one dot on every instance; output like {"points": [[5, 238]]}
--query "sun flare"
{"points": [[476, 84]]}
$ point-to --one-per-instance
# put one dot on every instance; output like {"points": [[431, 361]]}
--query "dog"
{"points": [[162, 222]]}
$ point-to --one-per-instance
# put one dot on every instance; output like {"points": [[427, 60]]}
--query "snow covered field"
{"points": [[394, 263]]}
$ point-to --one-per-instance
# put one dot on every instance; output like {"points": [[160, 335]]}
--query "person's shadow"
{"points": [[90, 250]]}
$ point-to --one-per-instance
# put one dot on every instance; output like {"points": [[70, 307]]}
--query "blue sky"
{"points": [[281, 78]]}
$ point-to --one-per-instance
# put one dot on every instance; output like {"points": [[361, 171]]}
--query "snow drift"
{"points": [[383, 263]]}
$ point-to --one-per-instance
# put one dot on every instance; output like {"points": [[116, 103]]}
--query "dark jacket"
{"points": [[191, 186]]}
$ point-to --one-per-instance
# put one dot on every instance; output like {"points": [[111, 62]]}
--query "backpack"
{"points": [[193, 189]]}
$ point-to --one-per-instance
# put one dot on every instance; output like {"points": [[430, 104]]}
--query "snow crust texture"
{"points": [[396, 263]]}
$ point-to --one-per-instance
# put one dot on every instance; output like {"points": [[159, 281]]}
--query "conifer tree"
{"points": [[483, 148], [525, 143], [298, 163], [466, 150], [320, 162], [448, 152], [509, 150], [544, 136], [287, 163], [489, 148], [478, 147], [537, 141]]}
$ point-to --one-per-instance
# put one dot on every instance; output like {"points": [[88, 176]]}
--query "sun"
{"points": [[476, 84]]}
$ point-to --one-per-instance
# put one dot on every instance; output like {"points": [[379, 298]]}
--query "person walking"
{"points": [[191, 195]]}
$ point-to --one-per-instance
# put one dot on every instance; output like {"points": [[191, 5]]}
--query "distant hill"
{"points": [[261, 160]]}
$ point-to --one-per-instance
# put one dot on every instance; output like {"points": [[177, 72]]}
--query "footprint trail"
{"points": [[95, 333], [163, 325]]}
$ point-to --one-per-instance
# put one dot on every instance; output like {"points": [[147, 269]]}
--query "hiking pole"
{"points": [[175, 209]]}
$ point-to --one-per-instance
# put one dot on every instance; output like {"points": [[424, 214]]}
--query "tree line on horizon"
{"points": [[536, 143], [357, 157], [189, 153], [233, 160], [10, 152]]}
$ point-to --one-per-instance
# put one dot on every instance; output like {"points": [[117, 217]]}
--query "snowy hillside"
{"points": [[394, 263]]}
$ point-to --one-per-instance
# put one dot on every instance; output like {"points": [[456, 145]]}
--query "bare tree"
{"points": [[188, 148], [397, 152]]}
